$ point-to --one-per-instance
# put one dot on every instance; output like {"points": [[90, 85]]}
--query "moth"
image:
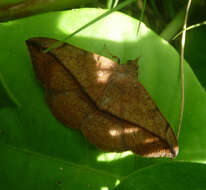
{"points": [[102, 99]]}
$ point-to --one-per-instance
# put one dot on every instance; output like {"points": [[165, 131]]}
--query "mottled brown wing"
{"points": [[103, 99]]}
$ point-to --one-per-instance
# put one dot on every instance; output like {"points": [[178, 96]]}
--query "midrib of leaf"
{"points": [[156, 165], [146, 168], [6, 94], [142, 169], [56, 159], [77, 166]]}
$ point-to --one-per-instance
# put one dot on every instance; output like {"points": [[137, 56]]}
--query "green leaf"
{"points": [[195, 52], [31, 170], [33, 128], [168, 176]]}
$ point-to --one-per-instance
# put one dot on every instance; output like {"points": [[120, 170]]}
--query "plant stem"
{"points": [[189, 28], [141, 16], [174, 26], [182, 67], [120, 6]]}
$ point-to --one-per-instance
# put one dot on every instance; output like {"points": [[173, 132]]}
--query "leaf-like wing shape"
{"points": [[104, 100]]}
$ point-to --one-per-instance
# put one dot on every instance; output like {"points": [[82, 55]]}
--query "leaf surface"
{"points": [[33, 127], [177, 175]]}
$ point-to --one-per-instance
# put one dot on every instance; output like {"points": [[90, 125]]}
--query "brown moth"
{"points": [[102, 99]]}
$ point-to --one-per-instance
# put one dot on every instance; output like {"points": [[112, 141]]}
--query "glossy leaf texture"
{"points": [[31, 139], [177, 176]]}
